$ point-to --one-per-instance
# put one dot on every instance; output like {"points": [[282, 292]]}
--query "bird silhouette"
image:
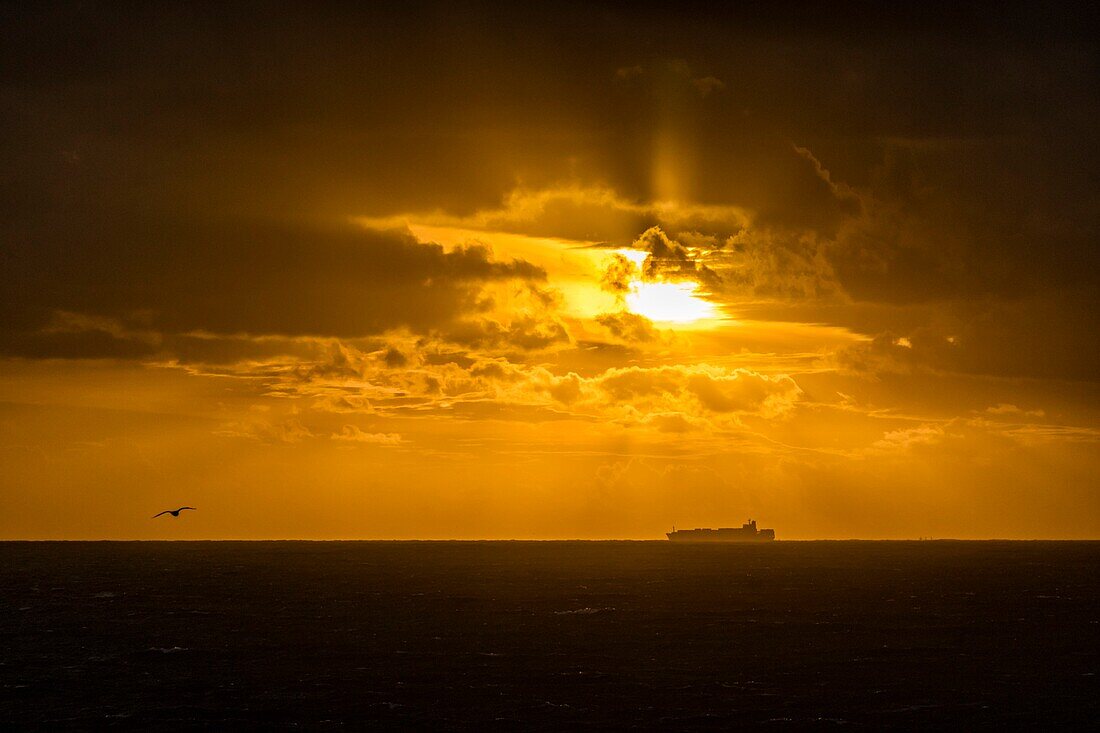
{"points": [[175, 512]]}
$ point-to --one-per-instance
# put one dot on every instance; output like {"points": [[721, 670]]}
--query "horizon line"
{"points": [[546, 539]]}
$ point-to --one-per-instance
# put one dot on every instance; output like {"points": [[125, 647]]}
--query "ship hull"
{"points": [[724, 540], [715, 535]]}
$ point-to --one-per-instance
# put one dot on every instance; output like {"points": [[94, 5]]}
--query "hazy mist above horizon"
{"points": [[585, 270]]}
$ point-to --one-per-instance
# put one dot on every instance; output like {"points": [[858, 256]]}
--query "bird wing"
{"points": [[187, 507], [166, 511]]}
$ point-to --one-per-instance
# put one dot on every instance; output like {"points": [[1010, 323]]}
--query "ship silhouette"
{"points": [[746, 533]]}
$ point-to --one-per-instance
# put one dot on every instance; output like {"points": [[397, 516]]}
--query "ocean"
{"points": [[549, 635]]}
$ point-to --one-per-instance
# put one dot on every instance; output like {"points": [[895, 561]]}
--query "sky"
{"points": [[581, 270]]}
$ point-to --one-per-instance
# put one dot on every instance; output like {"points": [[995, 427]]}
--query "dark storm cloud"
{"points": [[371, 111], [1020, 338], [129, 136], [84, 345], [228, 278]]}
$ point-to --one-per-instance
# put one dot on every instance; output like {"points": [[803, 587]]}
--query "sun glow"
{"points": [[669, 302]]}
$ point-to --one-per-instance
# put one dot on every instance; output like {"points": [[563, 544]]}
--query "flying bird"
{"points": [[175, 512]]}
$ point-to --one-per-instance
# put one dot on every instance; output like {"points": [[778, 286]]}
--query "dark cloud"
{"points": [[1020, 338], [527, 332], [394, 358], [175, 160], [85, 345], [629, 327], [618, 275], [667, 259], [777, 264], [179, 277]]}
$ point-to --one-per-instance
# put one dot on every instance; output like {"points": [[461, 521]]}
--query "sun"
{"points": [[669, 302]]}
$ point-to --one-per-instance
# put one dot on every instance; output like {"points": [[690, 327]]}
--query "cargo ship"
{"points": [[747, 533]]}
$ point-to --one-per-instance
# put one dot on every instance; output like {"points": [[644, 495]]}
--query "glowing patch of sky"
{"points": [[669, 302]]}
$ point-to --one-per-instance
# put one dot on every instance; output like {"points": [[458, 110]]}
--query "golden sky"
{"points": [[476, 271]]}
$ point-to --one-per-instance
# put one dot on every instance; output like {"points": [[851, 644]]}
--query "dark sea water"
{"points": [[550, 635]]}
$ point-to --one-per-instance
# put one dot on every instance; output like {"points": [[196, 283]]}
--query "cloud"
{"points": [[496, 369], [671, 422], [744, 391], [81, 287], [666, 260], [903, 440], [1024, 337], [619, 276], [676, 71], [708, 389], [261, 428], [525, 332], [574, 211], [756, 263], [848, 200], [629, 327], [1036, 435], [708, 84], [567, 389], [1006, 409], [777, 264], [888, 353], [394, 358], [352, 434], [349, 380]]}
